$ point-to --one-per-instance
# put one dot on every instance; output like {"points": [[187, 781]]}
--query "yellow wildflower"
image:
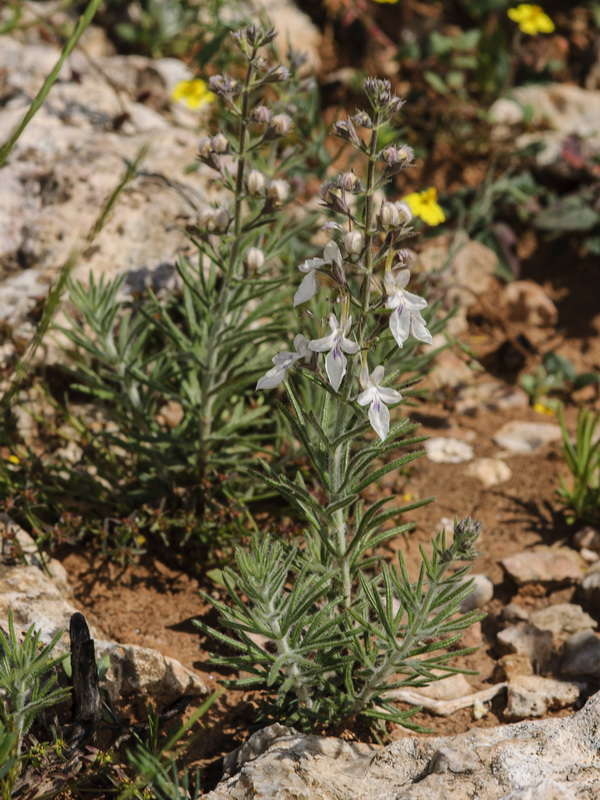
{"points": [[194, 93], [425, 205], [531, 19], [386, 1], [540, 408], [14, 459]]}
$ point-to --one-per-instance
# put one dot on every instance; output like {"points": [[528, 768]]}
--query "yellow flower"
{"points": [[543, 409], [386, 1], [531, 19], [14, 459], [425, 205], [194, 93]]}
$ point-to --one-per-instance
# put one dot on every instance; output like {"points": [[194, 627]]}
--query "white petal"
{"points": [[366, 397], [335, 364], [379, 417], [322, 345], [332, 253], [348, 346], [285, 359], [377, 374], [413, 301], [311, 264], [273, 378], [364, 379], [334, 324], [402, 278], [301, 345], [400, 326], [418, 329], [389, 395], [307, 288]]}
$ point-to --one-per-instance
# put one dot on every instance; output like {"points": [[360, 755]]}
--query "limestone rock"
{"points": [[490, 471], [541, 567], [482, 593], [581, 655], [448, 450], [526, 301], [526, 437], [534, 696], [490, 396], [527, 640], [553, 759], [562, 619]]}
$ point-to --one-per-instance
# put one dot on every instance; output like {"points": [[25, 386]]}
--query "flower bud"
{"points": [[404, 212], [389, 216], [363, 120], [255, 259], [281, 124], [220, 143], [278, 191], [346, 131], [354, 242], [349, 182], [261, 114], [206, 219], [224, 86], [205, 148], [255, 183], [222, 219], [277, 74]]}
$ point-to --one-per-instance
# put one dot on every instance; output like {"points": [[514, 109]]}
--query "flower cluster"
{"points": [[370, 245], [531, 19]]}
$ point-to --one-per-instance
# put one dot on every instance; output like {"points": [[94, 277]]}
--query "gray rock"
{"points": [[587, 537], [526, 437], [482, 593], [554, 759], [448, 450], [581, 655], [534, 696], [527, 640], [513, 612], [490, 471], [526, 301], [541, 567], [562, 619], [590, 588]]}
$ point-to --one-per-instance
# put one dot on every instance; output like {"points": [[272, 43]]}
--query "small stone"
{"points": [[589, 556], [590, 588], [526, 301], [562, 619], [511, 665], [541, 567], [482, 593], [533, 696], [587, 537], [447, 689], [581, 655], [527, 437], [490, 396], [527, 640], [447, 450], [490, 471], [513, 612]]}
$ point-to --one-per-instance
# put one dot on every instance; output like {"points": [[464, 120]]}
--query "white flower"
{"points": [[283, 361], [308, 287], [406, 308], [377, 396], [335, 343]]}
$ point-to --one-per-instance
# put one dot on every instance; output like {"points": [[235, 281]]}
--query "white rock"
{"points": [[481, 594], [490, 471], [447, 450], [562, 619], [490, 395], [554, 759], [542, 567], [534, 696], [527, 437], [527, 640]]}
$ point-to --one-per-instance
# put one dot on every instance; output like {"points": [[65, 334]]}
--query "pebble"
{"points": [[448, 688], [534, 696], [541, 567], [527, 640], [490, 396], [482, 593], [526, 301], [447, 450], [588, 538], [511, 665], [526, 437], [581, 655], [490, 471], [562, 620], [513, 612]]}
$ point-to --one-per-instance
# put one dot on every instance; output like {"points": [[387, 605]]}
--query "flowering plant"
{"points": [[327, 628]]}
